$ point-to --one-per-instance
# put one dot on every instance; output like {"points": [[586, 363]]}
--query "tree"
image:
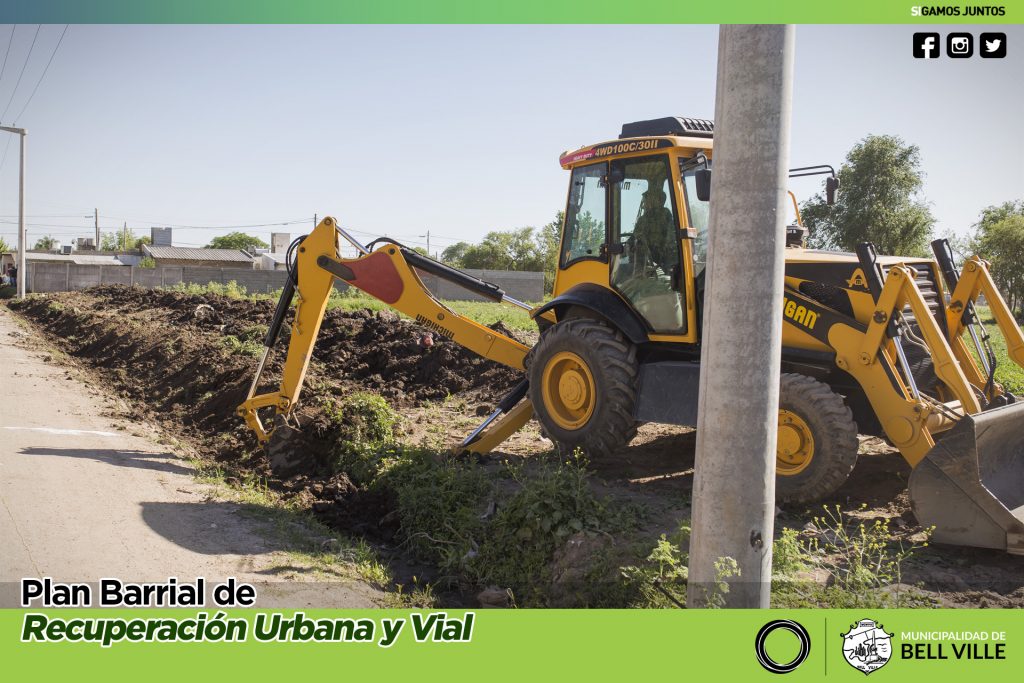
{"points": [[550, 238], [237, 240], [879, 200], [46, 243], [454, 254], [145, 239], [121, 240], [4, 247], [999, 239]]}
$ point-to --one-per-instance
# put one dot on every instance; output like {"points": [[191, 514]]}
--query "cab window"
{"points": [[585, 215], [647, 265], [699, 212]]}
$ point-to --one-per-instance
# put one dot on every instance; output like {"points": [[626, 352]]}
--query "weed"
{"points": [[540, 517], [241, 347], [864, 565], [366, 426], [439, 507], [660, 580]]}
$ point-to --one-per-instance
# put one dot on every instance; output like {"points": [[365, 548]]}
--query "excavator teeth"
{"points": [[285, 458]]}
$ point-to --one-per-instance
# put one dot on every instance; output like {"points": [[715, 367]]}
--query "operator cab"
{"points": [[634, 221]]}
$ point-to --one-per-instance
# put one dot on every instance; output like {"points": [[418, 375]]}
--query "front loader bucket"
{"points": [[970, 486]]}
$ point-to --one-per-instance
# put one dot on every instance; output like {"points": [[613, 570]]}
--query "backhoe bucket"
{"points": [[970, 486]]}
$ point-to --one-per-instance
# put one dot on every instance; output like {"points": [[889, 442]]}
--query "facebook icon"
{"points": [[926, 45]]}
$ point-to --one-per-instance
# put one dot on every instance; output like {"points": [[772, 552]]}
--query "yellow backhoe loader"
{"points": [[880, 345]]}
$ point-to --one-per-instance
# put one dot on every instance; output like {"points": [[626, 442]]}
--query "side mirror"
{"points": [[702, 183], [831, 185]]}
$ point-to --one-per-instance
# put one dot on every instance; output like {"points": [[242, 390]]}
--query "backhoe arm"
{"points": [[387, 275], [974, 281]]}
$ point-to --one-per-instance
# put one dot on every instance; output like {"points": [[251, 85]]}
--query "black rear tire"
{"points": [[834, 433], [611, 361]]}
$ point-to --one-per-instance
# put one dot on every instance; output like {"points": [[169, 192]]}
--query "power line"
{"points": [[45, 69], [7, 148], [10, 41], [27, 57]]}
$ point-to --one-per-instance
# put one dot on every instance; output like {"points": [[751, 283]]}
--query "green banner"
{"points": [[522, 11], [728, 645]]}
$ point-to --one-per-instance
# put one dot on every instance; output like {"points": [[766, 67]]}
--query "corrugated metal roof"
{"points": [[83, 259], [194, 254]]}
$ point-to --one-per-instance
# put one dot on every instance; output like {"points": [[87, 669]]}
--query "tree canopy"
{"points": [[879, 200], [528, 248], [999, 238], [237, 240], [46, 243]]}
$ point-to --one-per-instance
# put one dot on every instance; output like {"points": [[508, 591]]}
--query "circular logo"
{"points": [[793, 627]]}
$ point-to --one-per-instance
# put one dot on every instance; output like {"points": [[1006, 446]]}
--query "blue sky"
{"points": [[455, 129]]}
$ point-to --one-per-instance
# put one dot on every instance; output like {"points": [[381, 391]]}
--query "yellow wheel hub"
{"points": [[569, 390], [796, 444]]}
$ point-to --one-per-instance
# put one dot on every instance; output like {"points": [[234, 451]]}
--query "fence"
{"points": [[66, 277]]}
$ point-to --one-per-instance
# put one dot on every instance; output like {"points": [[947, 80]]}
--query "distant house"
{"points": [[199, 258], [271, 261]]}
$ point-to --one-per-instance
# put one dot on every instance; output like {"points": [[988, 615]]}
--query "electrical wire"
{"points": [[27, 57], [45, 69], [10, 41]]}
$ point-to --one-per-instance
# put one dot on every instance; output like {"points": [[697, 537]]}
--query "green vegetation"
{"points": [[307, 544], [147, 262], [879, 200], [122, 240], [999, 238], [525, 249], [1008, 373], [660, 579], [484, 526], [46, 243], [237, 240], [862, 564], [248, 342], [230, 289], [365, 425]]}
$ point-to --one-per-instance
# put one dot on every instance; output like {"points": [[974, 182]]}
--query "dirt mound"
{"points": [[186, 361], [379, 351]]}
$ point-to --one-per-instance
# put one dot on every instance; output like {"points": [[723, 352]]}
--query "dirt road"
{"points": [[85, 496]]}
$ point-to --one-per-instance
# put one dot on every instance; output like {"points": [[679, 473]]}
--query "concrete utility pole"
{"points": [[428, 243], [96, 217], [737, 424], [22, 237]]}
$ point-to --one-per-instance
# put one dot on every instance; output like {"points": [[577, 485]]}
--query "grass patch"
{"points": [[1008, 373]]}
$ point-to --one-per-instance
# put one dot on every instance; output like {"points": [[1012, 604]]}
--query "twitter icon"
{"points": [[993, 45]]}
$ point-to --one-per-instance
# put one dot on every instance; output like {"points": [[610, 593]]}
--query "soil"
{"points": [[168, 354]]}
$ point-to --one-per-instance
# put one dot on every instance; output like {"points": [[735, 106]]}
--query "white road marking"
{"points": [[65, 432]]}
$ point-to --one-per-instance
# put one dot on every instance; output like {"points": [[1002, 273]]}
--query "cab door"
{"points": [[645, 242]]}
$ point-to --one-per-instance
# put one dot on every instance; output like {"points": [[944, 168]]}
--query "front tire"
{"points": [[583, 384], [817, 442]]}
